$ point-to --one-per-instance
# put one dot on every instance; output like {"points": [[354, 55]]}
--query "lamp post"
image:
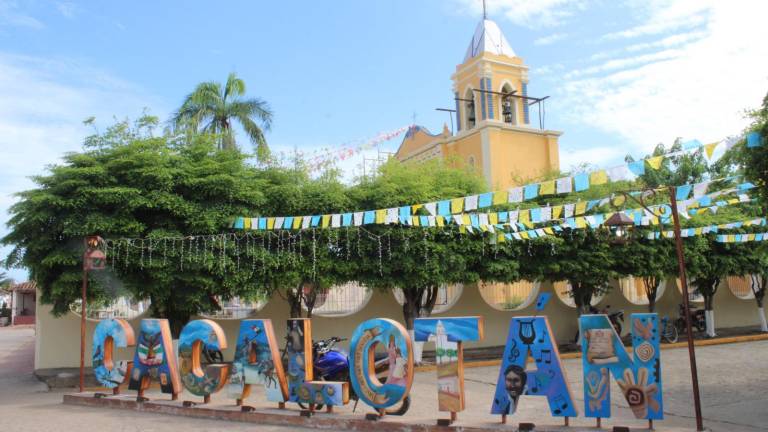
{"points": [[622, 224], [93, 259]]}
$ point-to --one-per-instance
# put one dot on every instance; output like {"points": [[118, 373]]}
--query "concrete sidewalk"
{"points": [[733, 382]]}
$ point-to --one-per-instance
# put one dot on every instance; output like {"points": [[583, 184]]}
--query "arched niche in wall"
{"points": [[563, 291], [342, 300], [237, 308], [125, 307], [509, 296], [633, 289], [447, 296], [741, 286]]}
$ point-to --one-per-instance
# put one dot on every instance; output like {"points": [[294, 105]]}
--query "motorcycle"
{"points": [[331, 364], [698, 319]]}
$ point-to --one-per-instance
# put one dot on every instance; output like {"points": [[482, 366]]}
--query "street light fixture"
{"points": [[619, 221], [621, 225], [93, 259]]}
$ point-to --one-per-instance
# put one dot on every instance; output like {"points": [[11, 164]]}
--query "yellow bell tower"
{"points": [[499, 126]]}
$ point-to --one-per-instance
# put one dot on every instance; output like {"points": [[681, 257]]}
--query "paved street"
{"points": [[733, 383]]}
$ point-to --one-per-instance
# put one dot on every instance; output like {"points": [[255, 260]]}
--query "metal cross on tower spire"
{"points": [[485, 16]]}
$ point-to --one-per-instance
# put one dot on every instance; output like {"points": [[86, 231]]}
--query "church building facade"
{"points": [[500, 130]]}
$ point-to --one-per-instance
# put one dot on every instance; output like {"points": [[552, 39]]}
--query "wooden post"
{"points": [[83, 289], [503, 419], [207, 399], [599, 422], [567, 421], [684, 286]]}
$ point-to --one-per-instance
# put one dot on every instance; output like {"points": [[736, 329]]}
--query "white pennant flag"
{"points": [[358, 218], [305, 222], [564, 185], [470, 203], [515, 195], [431, 208]]}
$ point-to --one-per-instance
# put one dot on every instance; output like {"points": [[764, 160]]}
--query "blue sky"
{"points": [[622, 75]]}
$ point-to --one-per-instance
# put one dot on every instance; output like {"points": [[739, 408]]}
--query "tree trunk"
{"points": [[177, 318], [709, 315], [651, 291], [758, 289], [293, 297]]}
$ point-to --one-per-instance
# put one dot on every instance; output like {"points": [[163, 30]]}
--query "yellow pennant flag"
{"points": [[698, 231], [493, 218], [416, 221], [580, 222], [457, 205], [440, 221], [501, 238], [524, 234], [325, 221], [466, 220], [598, 178], [297, 222], [710, 148], [547, 188], [655, 162], [462, 229], [500, 197], [549, 230], [247, 223], [581, 208], [524, 216], [415, 208], [556, 212], [381, 216], [270, 223], [751, 237]]}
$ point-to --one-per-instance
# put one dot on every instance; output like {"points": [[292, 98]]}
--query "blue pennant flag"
{"points": [[581, 182], [369, 217], [346, 219], [753, 139], [637, 167], [444, 208], [531, 191], [485, 200], [692, 144], [683, 191], [315, 220]]}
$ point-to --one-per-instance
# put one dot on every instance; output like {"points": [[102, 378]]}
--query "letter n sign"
{"points": [[604, 354]]}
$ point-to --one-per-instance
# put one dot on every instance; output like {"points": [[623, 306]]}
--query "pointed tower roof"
{"points": [[488, 37]]}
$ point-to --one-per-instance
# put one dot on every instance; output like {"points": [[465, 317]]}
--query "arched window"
{"points": [[124, 307], [563, 291], [509, 296], [741, 286], [633, 289], [508, 111], [469, 108], [471, 161], [447, 296], [237, 308], [342, 300]]}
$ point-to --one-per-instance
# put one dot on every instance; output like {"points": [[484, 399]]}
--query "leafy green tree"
{"points": [[581, 257], [128, 183], [212, 108], [688, 167], [707, 263], [754, 160], [751, 260], [653, 261], [416, 260]]}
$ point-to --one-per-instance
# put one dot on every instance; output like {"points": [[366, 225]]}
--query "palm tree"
{"points": [[212, 109], [5, 281]]}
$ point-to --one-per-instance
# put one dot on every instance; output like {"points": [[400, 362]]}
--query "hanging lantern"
{"points": [[94, 258], [621, 224]]}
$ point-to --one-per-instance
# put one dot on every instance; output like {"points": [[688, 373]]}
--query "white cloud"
{"points": [[697, 90], [526, 13], [10, 16], [596, 156], [550, 39], [662, 16], [44, 104], [67, 9]]}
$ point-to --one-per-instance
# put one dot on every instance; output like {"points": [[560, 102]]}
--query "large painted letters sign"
{"points": [[257, 361], [449, 335], [603, 354], [203, 371], [154, 358], [301, 387], [532, 335], [111, 333], [399, 378]]}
